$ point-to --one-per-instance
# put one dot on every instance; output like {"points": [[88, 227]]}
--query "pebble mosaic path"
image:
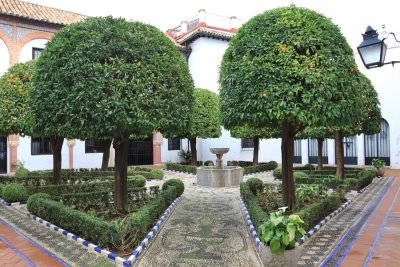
{"points": [[207, 228]]}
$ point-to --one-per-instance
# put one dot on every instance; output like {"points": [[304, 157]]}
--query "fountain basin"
{"points": [[214, 177]]}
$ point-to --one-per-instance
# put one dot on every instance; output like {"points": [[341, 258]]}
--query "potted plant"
{"points": [[379, 166], [185, 155]]}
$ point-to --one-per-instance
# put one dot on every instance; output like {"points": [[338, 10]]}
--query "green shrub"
{"points": [[181, 168], [351, 183], [34, 197], [209, 163], [257, 214], [87, 200], [22, 172], [255, 185], [365, 178], [137, 181], [277, 173], [14, 193], [157, 174], [146, 174], [272, 165], [315, 212], [178, 184], [232, 163], [309, 167], [298, 174]]}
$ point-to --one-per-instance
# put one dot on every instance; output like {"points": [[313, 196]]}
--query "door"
{"points": [[313, 151], [3, 155], [140, 151]]}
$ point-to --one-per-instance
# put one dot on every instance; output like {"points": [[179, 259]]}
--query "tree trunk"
{"points": [[57, 143], [339, 154], [121, 146], [193, 150], [106, 154], [320, 152], [256, 142], [287, 147]]}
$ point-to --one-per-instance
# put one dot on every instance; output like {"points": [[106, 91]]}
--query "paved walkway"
{"points": [[377, 244], [207, 228]]}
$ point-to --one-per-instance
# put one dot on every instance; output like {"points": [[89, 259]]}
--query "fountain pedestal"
{"points": [[219, 176]]}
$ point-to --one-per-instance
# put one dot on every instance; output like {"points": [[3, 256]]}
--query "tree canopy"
{"points": [[109, 77], [15, 87], [288, 68]]}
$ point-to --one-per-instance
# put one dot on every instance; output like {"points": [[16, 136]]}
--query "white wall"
{"points": [[85, 160], [204, 62], [172, 155], [4, 56], [39, 162], [26, 51]]}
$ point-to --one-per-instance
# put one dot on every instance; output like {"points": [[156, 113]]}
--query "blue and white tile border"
{"points": [[302, 239], [2, 201], [94, 248], [250, 224]]}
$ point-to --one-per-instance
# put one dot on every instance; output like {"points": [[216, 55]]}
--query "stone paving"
{"points": [[206, 229]]}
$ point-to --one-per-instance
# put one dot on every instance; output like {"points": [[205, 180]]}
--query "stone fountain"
{"points": [[220, 175]]}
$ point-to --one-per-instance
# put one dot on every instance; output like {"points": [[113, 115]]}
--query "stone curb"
{"points": [[250, 224], [94, 248], [321, 223], [303, 238], [149, 236]]}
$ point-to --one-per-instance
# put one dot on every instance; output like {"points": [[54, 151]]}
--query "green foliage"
{"points": [[298, 174], [123, 78], [257, 214], [260, 167], [255, 185], [140, 180], [181, 168], [313, 213], [178, 184], [308, 193], [209, 163], [365, 178], [277, 173], [22, 172], [87, 201], [350, 183], [246, 131], [157, 174], [205, 118], [309, 167], [281, 66], [378, 163], [15, 88], [1, 190], [14, 193], [185, 154], [281, 231], [34, 197]]}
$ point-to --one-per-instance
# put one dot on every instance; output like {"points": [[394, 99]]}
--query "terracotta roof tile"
{"points": [[40, 13]]}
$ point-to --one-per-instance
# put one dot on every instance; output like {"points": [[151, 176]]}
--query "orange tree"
{"points": [[288, 68], [15, 87], [108, 78]]}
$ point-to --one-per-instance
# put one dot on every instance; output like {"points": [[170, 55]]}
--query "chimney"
{"points": [[234, 23], [202, 16], [184, 27]]}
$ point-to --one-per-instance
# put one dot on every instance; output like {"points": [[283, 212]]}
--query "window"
{"points": [[36, 52], [94, 146], [174, 143], [247, 144], [41, 146]]}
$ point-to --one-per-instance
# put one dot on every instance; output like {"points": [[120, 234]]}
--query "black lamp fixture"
{"points": [[373, 50]]}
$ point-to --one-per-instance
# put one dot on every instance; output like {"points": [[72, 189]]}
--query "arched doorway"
{"points": [[377, 146]]}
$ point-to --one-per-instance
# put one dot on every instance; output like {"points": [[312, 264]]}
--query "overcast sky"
{"points": [[353, 16]]}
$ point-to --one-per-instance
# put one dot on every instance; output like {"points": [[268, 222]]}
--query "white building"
{"points": [[203, 41]]}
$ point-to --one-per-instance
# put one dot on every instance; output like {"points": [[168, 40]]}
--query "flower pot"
{"points": [[380, 171]]}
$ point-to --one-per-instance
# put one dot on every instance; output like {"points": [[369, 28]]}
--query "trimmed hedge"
{"points": [[315, 212], [97, 230], [178, 184], [257, 214], [328, 182], [87, 200], [22, 172], [365, 178], [277, 173], [299, 174], [269, 166], [157, 174], [255, 185], [181, 168], [208, 163], [14, 193]]}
